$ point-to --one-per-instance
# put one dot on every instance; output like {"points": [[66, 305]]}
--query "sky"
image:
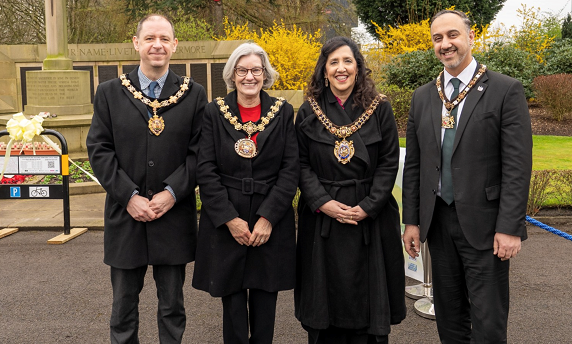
{"points": [[508, 15]]}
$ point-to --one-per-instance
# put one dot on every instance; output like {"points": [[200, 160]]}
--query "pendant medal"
{"points": [[246, 148], [447, 122], [344, 151], [156, 125]]}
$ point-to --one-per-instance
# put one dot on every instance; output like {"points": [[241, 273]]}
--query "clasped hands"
{"points": [[144, 210], [241, 233], [343, 213]]}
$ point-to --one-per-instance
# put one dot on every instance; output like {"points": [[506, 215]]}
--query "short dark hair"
{"points": [[149, 16], [364, 89], [466, 20]]}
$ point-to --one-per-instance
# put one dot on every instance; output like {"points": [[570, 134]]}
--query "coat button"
{"points": [[434, 192], [150, 192], [437, 168], [151, 163]]}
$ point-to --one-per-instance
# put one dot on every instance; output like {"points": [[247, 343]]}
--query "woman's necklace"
{"points": [[156, 123], [246, 148], [447, 120], [344, 150]]}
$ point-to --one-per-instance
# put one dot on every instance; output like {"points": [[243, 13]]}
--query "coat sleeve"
{"points": [[387, 163], [280, 197], [101, 150], [214, 195], [310, 186], [183, 179], [411, 171], [516, 160]]}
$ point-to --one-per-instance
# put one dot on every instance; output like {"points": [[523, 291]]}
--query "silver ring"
{"points": [[262, 241]]}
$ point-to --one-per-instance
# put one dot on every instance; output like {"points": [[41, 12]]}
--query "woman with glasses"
{"points": [[350, 284], [248, 174]]}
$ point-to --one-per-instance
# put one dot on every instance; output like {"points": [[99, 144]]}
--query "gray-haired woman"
{"points": [[248, 173]]}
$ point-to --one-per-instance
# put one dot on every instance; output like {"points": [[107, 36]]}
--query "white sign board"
{"points": [[12, 166], [413, 266], [47, 164]]}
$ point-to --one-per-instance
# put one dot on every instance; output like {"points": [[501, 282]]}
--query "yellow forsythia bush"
{"points": [[292, 52]]}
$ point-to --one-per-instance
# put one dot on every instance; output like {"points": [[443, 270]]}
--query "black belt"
{"points": [[248, 186], [360, 194]]}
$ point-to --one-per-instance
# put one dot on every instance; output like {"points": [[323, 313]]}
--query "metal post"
{"points": [[425, 307], [417, 291], [65, 177]]}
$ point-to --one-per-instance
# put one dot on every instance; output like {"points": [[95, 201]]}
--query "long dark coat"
{"points": [[349, 276], [126, 156], [223, 266]]}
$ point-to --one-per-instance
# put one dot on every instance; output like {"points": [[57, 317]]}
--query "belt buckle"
{"points": [[247, 186]]}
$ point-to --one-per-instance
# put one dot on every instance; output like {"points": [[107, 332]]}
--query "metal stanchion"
{"points": [[417, 291], [425, 307]]}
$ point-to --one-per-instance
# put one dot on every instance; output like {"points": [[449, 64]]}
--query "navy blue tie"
{"points": [[447, 192], [151, 93]]}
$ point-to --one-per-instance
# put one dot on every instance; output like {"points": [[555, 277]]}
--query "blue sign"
{"points": [[15, 191]]}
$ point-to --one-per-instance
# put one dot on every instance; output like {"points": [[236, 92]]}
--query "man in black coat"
{"points": [[465, 184], [143, 145]]}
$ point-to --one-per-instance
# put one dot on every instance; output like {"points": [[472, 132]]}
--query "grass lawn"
{"points": [[548, 153], [552, 152]]}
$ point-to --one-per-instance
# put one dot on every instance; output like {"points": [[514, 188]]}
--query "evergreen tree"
{"points": [[396, 12], [567, 27]]}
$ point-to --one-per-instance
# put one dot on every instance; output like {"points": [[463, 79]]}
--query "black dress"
{"points": [[232, 186], [349, 276]]}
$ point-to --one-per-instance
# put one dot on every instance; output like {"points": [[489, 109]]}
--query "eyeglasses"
{"points": [[256, 71]]}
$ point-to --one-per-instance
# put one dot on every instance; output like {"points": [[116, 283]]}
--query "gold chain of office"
{"points": [[156, 123], [246, 148], [344, 150]]}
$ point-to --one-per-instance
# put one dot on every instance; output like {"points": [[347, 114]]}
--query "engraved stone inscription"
{"points": [[51, 89]]}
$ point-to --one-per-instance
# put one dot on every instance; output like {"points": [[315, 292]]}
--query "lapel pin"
{"points": [[480, 88]]}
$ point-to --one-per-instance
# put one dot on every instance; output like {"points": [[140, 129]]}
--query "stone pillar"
{"points": [[57, 36]]}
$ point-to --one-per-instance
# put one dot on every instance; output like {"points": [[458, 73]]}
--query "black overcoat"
{"points": [[222, 265], [349, 276], [126, 156]]}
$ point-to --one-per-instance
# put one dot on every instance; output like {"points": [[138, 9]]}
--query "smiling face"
{"points": [[452, 42], [341, 70], [155, 44], [248, 86]]}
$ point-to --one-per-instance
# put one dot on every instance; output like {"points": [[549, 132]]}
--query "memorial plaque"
{"points": [[23, 71], [179, 69], [218, 84], [47, 164], [128, 68], [106, 73], [90, 70], [58, 88], [199, 75]]}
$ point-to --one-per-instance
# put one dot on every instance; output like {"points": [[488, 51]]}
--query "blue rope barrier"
{"points": [[548, 228]]}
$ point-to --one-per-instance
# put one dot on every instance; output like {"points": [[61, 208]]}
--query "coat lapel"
{"points": [[231, 101], [265, 103], [471, 101], [138, 104], [436, 114]]}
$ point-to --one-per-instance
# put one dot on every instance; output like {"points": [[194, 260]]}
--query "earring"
{"points": [[356, 77], [326, 82]]}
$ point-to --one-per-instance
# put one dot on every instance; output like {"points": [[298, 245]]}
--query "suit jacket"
{"points": [[491, 162], [126, 156], [223, 266]]}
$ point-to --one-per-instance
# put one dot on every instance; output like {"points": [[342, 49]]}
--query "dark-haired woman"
{"points": [[350, 276]]}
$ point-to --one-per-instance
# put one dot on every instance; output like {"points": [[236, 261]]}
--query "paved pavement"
{"points": [[62, 294]]}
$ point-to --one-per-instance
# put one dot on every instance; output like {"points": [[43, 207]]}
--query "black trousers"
{"points": [[128, 283], [470, 287], [256, 305], [336, 335]]}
